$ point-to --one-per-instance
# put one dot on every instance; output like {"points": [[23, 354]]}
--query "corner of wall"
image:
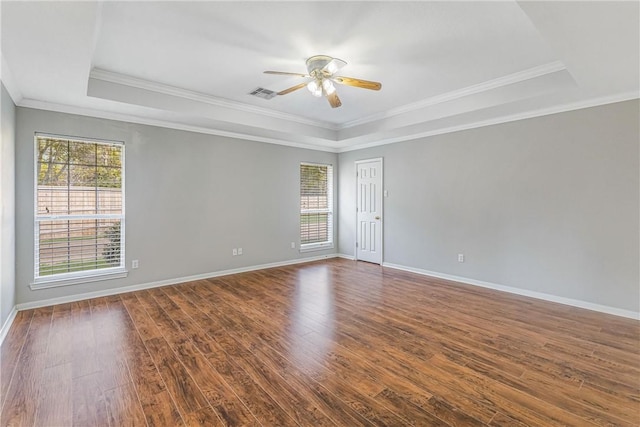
{"points": [[4, 330], [7, 210]]}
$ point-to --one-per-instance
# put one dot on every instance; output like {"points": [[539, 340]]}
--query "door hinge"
{"points": [[356, 244]]}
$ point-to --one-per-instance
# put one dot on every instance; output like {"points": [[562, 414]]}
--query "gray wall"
{"points": [[190, 199], [7, 206], [548, 204]]}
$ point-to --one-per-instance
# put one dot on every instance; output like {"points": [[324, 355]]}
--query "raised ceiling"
{"points": [[444, 66]]}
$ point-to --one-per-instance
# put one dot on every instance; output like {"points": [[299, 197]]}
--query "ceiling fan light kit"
{"points": [[315, 88], [328, 86], [321, 69]]}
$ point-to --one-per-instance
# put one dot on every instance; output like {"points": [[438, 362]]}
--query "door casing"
{"points": [[381, 192]]}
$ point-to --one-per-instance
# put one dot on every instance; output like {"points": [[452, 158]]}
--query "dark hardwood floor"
{"points": [[318, 344]]}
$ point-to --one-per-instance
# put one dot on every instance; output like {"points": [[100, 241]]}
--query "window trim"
{"points": [[76, 277], [318, 246]]}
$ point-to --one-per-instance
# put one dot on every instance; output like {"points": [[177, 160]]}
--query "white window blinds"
{"points": [[316, 205], [79, 208]]}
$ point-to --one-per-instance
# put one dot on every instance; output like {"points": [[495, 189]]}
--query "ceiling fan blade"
{"points": [[292, 88], [350, 81], [284, 73], [334, 100]]}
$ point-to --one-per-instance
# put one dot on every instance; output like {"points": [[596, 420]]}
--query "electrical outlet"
{"points": [[239, 251], [293, 245], [135, 263], [460, 257], [234, 252]]}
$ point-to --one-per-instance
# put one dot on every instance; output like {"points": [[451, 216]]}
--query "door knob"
{"points": [[377, 217]]}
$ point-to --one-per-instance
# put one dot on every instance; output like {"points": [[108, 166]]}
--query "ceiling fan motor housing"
{"points": [[316, 63]]}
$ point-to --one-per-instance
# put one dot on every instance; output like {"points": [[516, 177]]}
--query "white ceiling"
{"points": [[444, 66]]}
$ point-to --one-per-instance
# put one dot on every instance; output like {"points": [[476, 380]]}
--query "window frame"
{"points": [[328, 244], [85, 276]]}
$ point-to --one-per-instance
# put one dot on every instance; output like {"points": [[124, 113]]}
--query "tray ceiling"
{"points": [[444, 66]]}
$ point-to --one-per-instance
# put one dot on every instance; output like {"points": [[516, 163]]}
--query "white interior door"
{"points": [[369, 210]]}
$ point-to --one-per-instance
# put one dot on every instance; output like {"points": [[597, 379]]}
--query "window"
{"points": [[79, 209], [316, 206]]}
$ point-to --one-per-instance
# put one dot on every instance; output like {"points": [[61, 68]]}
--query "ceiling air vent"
{"points": [[263, 93]]}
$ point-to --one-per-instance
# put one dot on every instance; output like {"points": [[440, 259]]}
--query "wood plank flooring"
{"points": [[319, 344]]}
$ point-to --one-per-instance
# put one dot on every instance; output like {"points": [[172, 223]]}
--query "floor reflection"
{"points": [[313, 318]]}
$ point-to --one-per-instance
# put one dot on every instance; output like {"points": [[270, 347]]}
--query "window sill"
{"points": [[316, 247], [45, 283]]}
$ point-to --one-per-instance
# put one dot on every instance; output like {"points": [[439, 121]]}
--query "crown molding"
{"points": [[126, 80], [61, 108], [6, 76], [593, 102], [531, 73], [122, 79], [579, 105]]}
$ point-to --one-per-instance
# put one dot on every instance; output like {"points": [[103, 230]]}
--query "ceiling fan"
{"points": [[321, 70]]}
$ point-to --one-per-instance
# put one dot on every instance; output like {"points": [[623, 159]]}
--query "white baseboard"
{"points": [[533, 294], [538, 295], [149, 285], [7, 324]]}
